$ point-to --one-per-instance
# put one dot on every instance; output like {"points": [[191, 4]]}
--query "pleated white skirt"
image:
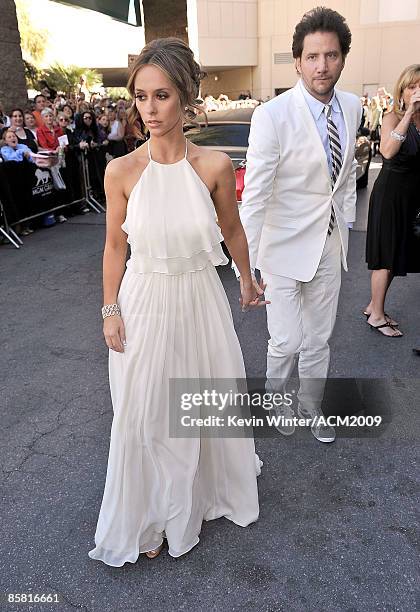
{"points": [[177, 326]]}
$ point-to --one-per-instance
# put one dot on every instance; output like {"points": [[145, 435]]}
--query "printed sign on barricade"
{"points": [[42, 189]]}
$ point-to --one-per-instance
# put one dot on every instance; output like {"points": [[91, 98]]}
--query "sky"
{"points": [[84, 38]]}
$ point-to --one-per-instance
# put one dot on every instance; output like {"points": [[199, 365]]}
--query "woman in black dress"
{"points": [[86, 138], [391, 247]]}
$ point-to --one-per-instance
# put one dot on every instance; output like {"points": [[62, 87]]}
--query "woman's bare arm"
{"points": [[115, 251], [390, 146], [224, 199]]}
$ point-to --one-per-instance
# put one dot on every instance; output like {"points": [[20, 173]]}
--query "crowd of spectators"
{"points": [[373, 110], [68, 127], [97, 129], [245, 100]]}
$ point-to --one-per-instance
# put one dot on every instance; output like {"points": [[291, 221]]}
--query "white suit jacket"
{"points": [[287, 199]]}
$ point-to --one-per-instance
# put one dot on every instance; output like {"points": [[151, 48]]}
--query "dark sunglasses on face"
{"points": [[87, 118]]}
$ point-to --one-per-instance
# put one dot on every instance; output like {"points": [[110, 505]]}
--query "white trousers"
{"points": [[300, 321]]}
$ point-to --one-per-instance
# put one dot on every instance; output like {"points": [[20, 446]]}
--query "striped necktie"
{"points": [[336, 159]]}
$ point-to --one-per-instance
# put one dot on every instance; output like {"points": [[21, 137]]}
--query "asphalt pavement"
{"points": [[337, 529]]}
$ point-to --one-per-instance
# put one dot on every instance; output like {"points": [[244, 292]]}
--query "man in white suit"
{"points": [[297, 205]]}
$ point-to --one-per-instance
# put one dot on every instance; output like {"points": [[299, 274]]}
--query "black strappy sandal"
{"points": [[387, 324], [387, 316]]}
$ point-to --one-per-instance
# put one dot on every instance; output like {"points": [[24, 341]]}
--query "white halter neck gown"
{"points": [[178, 325]]}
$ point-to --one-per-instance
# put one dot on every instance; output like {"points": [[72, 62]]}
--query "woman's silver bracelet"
{"points": [[110, 309], [398, 136]]}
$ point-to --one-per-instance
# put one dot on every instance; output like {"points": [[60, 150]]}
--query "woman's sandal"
{"points": [[387, 324], [387, 318], [152, 554]]}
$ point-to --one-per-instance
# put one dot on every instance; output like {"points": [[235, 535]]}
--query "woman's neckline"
{"points": [[173, 163]]}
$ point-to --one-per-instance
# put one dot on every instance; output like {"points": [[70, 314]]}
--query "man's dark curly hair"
{"points": [[321, 19]]}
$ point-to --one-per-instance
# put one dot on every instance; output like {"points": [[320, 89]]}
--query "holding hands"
{"points": [[251, 294]]}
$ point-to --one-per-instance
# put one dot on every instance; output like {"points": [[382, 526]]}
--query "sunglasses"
{"points": [[87, 118]]}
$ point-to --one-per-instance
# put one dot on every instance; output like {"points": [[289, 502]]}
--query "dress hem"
{"points": [[173, 554]]}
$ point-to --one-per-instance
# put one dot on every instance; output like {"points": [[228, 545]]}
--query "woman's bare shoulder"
{"points": [[127, 163], [213, 161], [128, 169], [209, 164]]}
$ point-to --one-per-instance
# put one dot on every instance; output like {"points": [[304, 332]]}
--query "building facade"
{"points": [[246, 44]]}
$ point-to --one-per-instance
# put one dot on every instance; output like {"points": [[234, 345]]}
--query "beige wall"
{"points": [[386, 38], [226, 31], [230, 82]]}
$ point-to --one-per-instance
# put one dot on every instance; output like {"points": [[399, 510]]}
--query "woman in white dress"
{"points": [[166, 316]]}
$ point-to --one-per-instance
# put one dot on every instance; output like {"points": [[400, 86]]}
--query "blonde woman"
{"points": [[373, 121], [166, 316], [391, 248]]}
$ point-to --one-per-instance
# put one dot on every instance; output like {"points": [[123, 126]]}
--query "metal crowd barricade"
{"points": [[88, 197], [7, 231], [6, 228]]}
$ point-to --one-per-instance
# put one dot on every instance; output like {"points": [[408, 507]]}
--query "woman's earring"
{"points": [[401, 103]]}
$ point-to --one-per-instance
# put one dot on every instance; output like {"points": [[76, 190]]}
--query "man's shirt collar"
{"points": [[316, 106]]}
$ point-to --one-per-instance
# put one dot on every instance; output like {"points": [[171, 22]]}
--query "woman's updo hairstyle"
{"points": [[174, 57]]}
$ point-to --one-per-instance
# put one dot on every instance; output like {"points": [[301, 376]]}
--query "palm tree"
{"points": [[12, 79], [33, 40], [69, 78]]}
